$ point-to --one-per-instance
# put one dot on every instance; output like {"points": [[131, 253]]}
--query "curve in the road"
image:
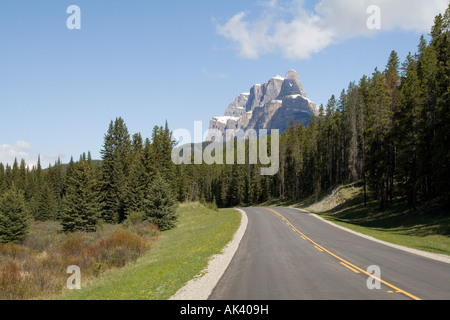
{"points": [[273, 263]]}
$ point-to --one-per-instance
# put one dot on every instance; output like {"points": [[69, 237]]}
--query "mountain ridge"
{"points": [[270, 105]]}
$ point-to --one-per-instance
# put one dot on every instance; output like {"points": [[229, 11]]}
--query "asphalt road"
{"points": [[287, 254]]}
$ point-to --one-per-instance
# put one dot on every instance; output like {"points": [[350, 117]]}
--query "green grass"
{"points": [[180, 255], [427, 228]]}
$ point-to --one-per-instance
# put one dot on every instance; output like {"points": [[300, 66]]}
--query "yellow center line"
{"points": [[343, 261], [347, 266]]}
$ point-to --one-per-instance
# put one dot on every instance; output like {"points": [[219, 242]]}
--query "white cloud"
{"points": [[297, 33], [252, 38], [23, 150]]}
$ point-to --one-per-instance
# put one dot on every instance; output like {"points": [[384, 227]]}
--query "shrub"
{"points": [[133, 218], [38, 269]]}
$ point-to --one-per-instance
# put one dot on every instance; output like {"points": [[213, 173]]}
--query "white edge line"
{"points": [[202, 285], [430, 255]]}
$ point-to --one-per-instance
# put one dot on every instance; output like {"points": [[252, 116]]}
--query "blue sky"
{"points": [[180, 61]]}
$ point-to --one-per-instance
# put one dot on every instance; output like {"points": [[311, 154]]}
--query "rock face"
{"points": [[271, 105]]}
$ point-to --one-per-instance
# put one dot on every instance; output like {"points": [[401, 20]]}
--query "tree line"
{"points": [[134, 176], [389, 130]]}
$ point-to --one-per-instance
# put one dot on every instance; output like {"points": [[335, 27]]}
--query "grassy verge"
{"points": [[180, 254], [427, 228]]}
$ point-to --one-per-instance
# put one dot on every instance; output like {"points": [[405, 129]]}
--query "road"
{"points": [[287, 254]]}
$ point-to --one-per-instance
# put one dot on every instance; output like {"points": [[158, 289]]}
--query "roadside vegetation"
{"points": [[426, 228], [133, 260], [180, 255], [37, 268]]}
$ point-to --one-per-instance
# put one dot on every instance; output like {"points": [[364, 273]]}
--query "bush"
{"points": [[210, 205], [134, 218], [38, 269]]}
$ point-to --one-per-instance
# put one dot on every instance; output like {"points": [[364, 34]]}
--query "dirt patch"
{"points": [[328, 202]]}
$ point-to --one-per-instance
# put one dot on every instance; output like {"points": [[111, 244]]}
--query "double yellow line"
{"points": [[345, 263]]}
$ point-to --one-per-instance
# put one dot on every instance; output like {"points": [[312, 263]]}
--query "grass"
{"points": [[180, 255], [427, 228]]}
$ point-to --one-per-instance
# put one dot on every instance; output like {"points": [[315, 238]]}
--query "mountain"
{"points": [[271, 105]]}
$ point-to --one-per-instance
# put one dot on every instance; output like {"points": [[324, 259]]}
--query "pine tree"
{"points": [[392, 83], [160, 205], [81, 201], [45, 204], [56, 180], [22, 177], [136, 186], [440, 43], [116, 156], [15, 174], [161, 152], [408, 131], [354, 123], [378, 130], [426, 70], [2, 178], [14, 216]]}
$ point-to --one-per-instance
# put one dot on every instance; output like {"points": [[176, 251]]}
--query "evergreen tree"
{"points": [[22, 177], [354, 123], [45, 203], [378, 131], [136, 186], [14, 216], [81, 201], [2, 178], [426, 70], [392, 83], [408, 131], [161, 152], [56, 180], [440, 43], [116, 155], [160, 205]]}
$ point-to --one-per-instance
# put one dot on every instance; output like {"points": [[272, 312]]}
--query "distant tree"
{"points": [[2, 178], [14, 216], [56, 178], [45, 205]]}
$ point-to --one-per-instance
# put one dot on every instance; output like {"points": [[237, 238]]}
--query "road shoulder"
{"points": [[201, 286], [430, 255]]}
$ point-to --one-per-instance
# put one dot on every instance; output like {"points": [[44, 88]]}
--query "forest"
{"points": [[389, 131]]}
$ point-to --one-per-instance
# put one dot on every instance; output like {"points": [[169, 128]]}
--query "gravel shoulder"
{"points": [[201, 286]]}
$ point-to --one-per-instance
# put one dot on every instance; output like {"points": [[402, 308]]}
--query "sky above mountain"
{"points": [[180, 61]]}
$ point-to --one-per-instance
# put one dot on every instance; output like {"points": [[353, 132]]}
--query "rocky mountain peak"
{"points": [[271, 105], [292, 85]]}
